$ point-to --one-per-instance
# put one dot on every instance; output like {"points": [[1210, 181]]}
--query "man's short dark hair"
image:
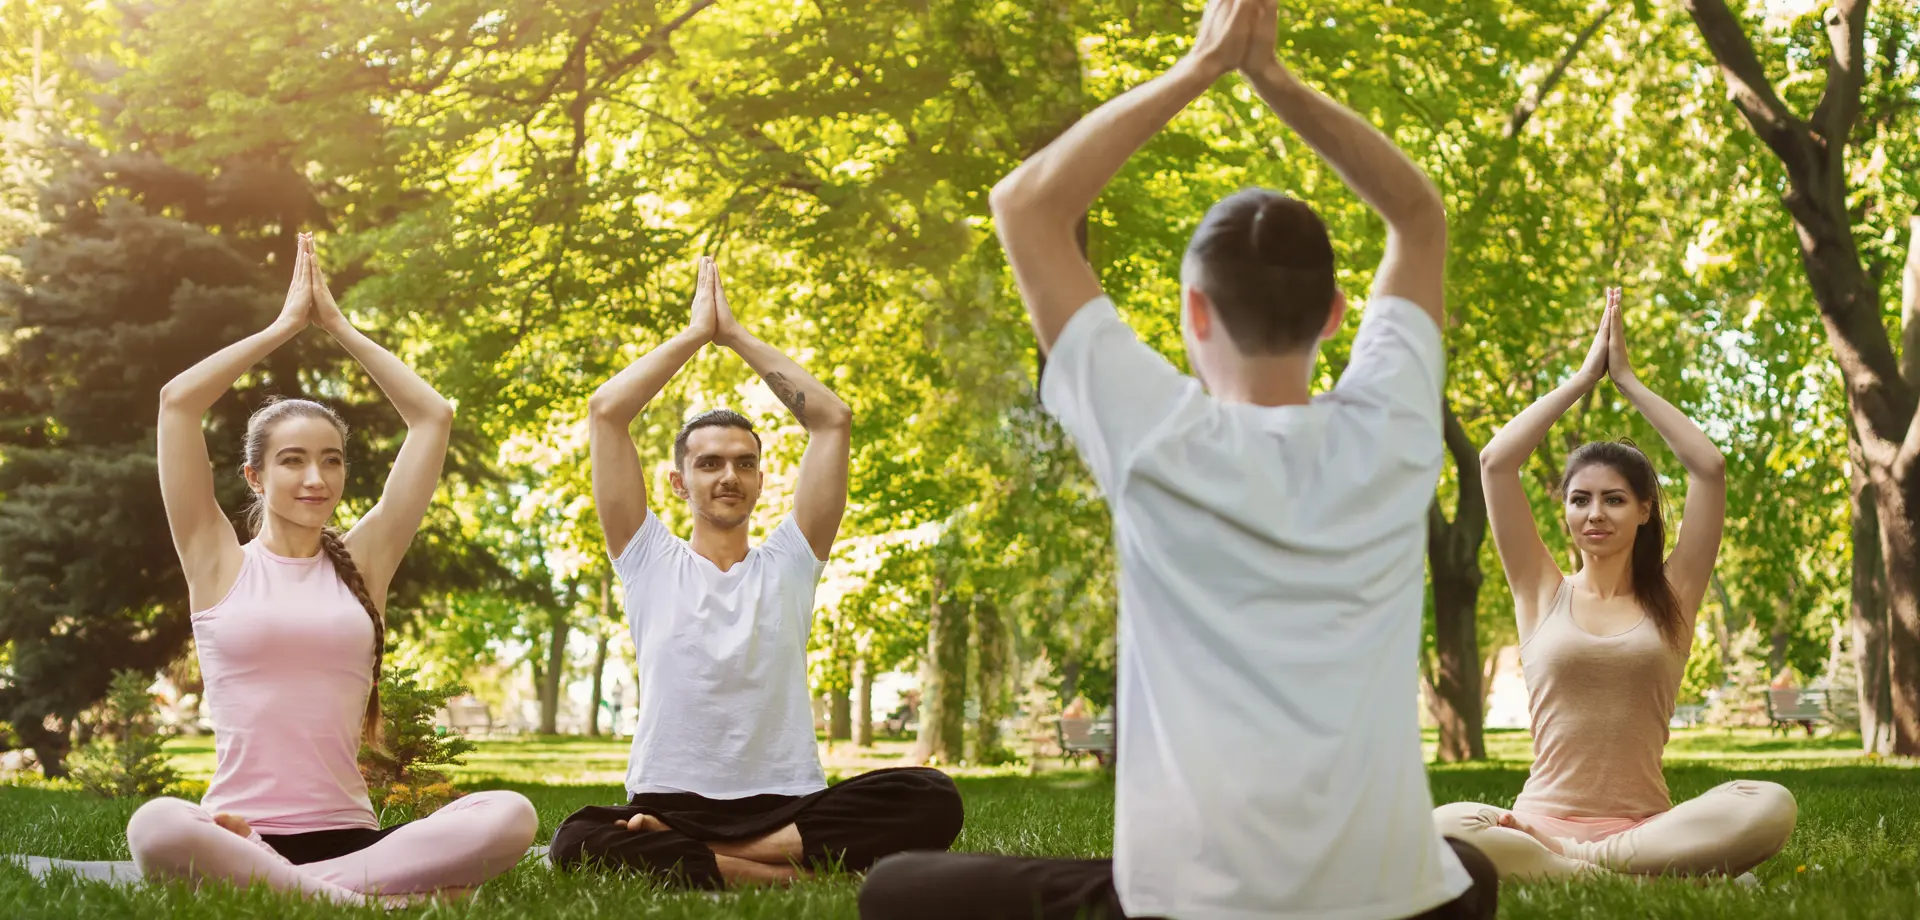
{"points": [[712, 418], [1265, 263]]}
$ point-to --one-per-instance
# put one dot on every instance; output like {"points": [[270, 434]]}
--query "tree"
{"points": [[1884, 396]]}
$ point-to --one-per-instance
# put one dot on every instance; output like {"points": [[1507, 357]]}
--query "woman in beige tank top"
{"points": [[1604, 650]]}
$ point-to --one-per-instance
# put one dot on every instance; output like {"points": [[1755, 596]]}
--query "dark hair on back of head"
{"points": [[259, 429], [1649, 563], [712, 418], [1265, 263]]}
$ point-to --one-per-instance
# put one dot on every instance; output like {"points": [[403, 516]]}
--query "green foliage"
{"points": [[124, 759], [408, 772]]}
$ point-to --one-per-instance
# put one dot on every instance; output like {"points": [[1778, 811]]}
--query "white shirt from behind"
{"points": [[1271, 566], [724, 708]]}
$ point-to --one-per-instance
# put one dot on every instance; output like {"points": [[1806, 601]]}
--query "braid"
{"points": [[336, 550]]}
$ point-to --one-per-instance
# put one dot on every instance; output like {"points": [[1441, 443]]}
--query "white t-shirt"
{"points": [[1271, 588], [724, 709]]}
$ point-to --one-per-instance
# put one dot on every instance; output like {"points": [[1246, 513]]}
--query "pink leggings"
{"points": [[1728, 829], [469, 841]]}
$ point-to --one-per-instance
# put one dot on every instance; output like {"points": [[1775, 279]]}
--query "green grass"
{"points": [[1855, 853]]}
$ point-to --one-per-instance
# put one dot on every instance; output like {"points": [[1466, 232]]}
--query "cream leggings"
{"points": [[1729, 829]]}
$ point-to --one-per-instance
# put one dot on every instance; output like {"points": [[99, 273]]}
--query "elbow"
{"points": [[438, 412], [1013, 198], [1711, 468], [598, 404], [172, 397], [832, 415], [1496, 462], [1424, 217]]}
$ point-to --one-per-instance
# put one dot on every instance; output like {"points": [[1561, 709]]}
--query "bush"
{"points": [[403, 775], [124, 759]]}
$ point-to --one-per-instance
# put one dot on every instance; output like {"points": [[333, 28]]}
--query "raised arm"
{"points": [[1414, 266], [619, 484], [381, 537], [202, 536], [1531, 572], [1690, 566], [820, 496], [1036, 207]]}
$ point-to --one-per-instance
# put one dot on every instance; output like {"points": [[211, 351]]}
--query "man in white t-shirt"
{"points": [[1270, 541], [724, 778]]}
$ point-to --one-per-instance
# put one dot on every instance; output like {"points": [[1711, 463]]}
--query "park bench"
{"points": [[1804, 705], [470, 716], [1087, 736]]}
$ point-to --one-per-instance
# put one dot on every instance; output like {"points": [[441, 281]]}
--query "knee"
{"points": [[895, 888], [162, 833], [515, 820], [568, 850], [1464, 819], [944, 813], [1772, 812]]}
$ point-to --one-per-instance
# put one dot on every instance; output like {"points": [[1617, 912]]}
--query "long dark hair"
{"points": [[258, 428], [1649, 563]]}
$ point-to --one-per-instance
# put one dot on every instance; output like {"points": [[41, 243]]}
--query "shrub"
{"points": [[124, 759], [403, 774]]}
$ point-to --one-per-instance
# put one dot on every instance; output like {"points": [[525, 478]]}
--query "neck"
{"points": [[1264, 380], [722, 546], [1607, 576], [282, 537]]}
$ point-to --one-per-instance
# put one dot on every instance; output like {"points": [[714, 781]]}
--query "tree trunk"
{"points": [[862, 702], [839, 714], [49, 747], [1453, 555], [943, 716], [991, 636], [555, 673], [1883, 402], [600, 654], [1898, 500], [1722, 625]]}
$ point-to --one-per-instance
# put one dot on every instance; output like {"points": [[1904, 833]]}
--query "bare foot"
{"points": [[782, 848], [234, 823], [644, 823], [747, 872]]}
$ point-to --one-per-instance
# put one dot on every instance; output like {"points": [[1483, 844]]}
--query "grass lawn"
{"points": [[1855, 854]]}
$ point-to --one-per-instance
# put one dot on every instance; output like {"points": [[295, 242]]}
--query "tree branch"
{"points": [[1523, 111], [1470, 505], [1910, 310], [1839, 105], [1753, 94]]}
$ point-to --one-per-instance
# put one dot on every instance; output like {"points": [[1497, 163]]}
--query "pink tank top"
{"points": [[1600, 710], [287, 657]]}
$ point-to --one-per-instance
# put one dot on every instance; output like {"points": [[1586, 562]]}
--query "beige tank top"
{"points": [[1600, 710]]}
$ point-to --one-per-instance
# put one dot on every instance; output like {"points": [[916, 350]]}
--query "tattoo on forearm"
{"points": [[795, 399]]}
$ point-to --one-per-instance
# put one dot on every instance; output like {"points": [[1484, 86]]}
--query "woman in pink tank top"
{"points": [[1604, 649], [289, 629]]}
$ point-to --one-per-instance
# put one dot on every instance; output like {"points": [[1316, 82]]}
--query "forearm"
{"points": [[197, 388], [1370, 164], [815, 406], [1507, 450], [1060, 183], [621, 398], [416, 400], [1696, 451]]}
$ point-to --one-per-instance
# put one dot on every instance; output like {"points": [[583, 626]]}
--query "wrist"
{"points": [[1269, 72], [1203, 69]]}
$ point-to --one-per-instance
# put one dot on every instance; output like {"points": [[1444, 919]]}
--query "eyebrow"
{"points": [[1602, 492], [301, 450], [746, 456]]}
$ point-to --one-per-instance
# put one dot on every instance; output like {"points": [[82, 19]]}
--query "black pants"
{"points": [[849, 826], [976, 886], [320, 846]]}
